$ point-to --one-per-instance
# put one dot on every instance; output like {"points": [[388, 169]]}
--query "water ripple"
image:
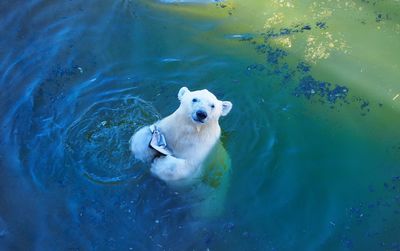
{"points": [[98, 141]]}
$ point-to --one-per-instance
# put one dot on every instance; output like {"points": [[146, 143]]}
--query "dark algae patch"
{"points": [[228, 6], [384, 202], [309, 87], [298, 78]]}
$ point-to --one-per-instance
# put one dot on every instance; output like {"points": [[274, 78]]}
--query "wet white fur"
{"points": [[190, 141]]}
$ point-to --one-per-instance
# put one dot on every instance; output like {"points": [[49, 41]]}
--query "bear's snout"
{"points": [[201, 115]]}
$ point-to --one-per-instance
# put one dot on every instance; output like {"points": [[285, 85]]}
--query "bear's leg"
{"points": [[169, 168], [139, 145]]}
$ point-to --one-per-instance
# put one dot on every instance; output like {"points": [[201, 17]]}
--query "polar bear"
{"points": [[190, 133]]}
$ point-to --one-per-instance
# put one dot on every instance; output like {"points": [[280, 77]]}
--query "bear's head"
{"points": [[202, 106]]}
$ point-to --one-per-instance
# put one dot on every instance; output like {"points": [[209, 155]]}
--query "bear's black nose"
{"points": [[201, 115]]}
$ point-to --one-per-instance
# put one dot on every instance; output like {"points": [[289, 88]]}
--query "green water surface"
{"points": [[308, 173]]}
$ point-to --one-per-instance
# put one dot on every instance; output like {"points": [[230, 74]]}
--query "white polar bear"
{"points": [[190, 133]]}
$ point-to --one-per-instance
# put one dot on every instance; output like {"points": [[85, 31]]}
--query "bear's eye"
{"points": [[195, 100], [212, 106]]}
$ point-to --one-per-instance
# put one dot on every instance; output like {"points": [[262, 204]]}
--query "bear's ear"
{"points": [[226, 107], [182, 92]]}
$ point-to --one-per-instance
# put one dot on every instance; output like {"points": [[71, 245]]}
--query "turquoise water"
{"points": [[313, 136]]}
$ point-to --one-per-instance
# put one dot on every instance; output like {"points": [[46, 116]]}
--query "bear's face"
{"points": [[202, 106]]}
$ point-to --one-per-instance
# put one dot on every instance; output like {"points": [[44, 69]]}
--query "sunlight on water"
{"points": [[312, 144]]}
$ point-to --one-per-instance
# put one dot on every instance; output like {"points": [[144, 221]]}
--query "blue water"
{"points": [[313, 140]]}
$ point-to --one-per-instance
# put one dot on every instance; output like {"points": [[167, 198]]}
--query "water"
{"points": [[313, 136]]}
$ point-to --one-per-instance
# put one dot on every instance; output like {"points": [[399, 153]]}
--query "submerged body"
{"points": [[190, 132]]}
